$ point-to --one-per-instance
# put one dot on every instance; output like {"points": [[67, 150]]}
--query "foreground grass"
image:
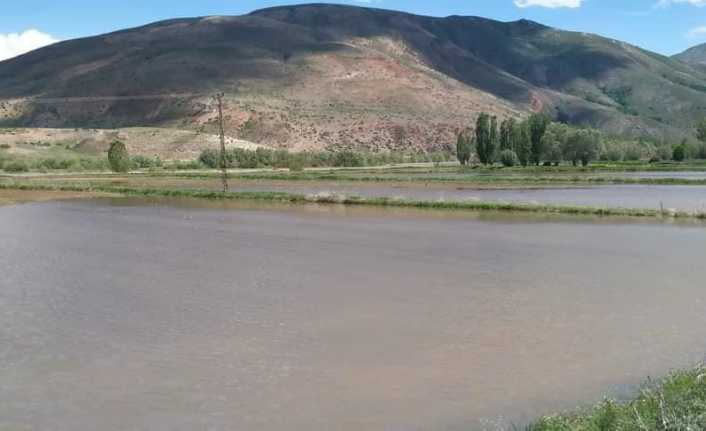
{"points": [[678, 403], [294, 198]]}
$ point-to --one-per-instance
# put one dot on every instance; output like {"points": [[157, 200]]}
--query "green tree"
{"points": [[483, 138], [537, 124], [552, 144], [506, 134], [493, 140], [583, 146], [463, 148], [522, 142], [118, 157], [679, 153], [508, 158]]}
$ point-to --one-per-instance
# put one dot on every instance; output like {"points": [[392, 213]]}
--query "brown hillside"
{"points": [[318, 76]]}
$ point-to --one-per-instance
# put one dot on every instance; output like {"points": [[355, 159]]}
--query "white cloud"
{"points": [[697, 32], [14, 44], [552, 4], [665, 3]]}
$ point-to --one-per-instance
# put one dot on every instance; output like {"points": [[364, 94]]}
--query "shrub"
{"points": [[56, 164], [118, 157], [16, 166], [633, 153], [264, 157], [348, 159], [679, 153], [508, 158], [280, 159], [613, 154], [243, 158], [142, 162], [437, 159], [209, 158], [663, 152], [296, 162], [189, 165]]}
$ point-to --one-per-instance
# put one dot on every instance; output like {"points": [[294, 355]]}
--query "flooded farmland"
{"points": [[148, 314]]}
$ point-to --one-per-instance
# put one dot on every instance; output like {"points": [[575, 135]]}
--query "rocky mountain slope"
{"points": [[329, 76]]}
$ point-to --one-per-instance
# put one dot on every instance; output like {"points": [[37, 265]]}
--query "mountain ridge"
{"points": [[695, 56], [334, 76]]}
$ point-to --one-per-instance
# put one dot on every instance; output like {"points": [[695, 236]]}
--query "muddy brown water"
{"points": [[688, 198], [655, 197], [132, 314]]}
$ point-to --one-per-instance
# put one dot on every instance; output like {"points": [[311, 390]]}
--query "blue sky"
{"points": [[665, 26]]}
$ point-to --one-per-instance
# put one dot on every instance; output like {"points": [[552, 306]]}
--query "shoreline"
{"points": [[332, 199]]}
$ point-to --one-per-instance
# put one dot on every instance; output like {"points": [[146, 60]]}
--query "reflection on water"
{"points": [[682, 198], [690, 198], [165, 317]]}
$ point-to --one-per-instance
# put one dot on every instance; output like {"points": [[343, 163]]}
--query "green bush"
{"points": [[142, 162], [264, 157], [679, 153], [16, 166], [56, 163], [348, 159], [209, 158], [244, 159], [633, 153], [296, 162], [191, 165], [508, 158], [613, 154], [118, 157]]}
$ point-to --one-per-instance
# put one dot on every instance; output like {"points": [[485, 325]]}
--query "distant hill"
{"points": [[695, 56], [316, 76]]}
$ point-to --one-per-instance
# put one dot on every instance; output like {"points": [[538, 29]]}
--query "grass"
{"points": [[677, 403], [360, 201], [431, 177]]}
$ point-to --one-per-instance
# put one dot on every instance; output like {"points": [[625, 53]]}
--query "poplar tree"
{"points": [[537, 127], [483, 137]]}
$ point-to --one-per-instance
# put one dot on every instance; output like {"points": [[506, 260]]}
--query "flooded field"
{"points": [[682, 198], [690, 198], [151, 315]]}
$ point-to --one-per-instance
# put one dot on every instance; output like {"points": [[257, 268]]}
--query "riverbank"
{"points": [[676, 403], [10, 196]]}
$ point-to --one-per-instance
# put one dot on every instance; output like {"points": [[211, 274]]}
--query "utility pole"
{"points": [[224, 162]]}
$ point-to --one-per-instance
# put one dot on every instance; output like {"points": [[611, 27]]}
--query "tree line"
{"points": [[536, 140]]}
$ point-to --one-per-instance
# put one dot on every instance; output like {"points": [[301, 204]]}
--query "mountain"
{"points": [[695, 56], [315, 76]]}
